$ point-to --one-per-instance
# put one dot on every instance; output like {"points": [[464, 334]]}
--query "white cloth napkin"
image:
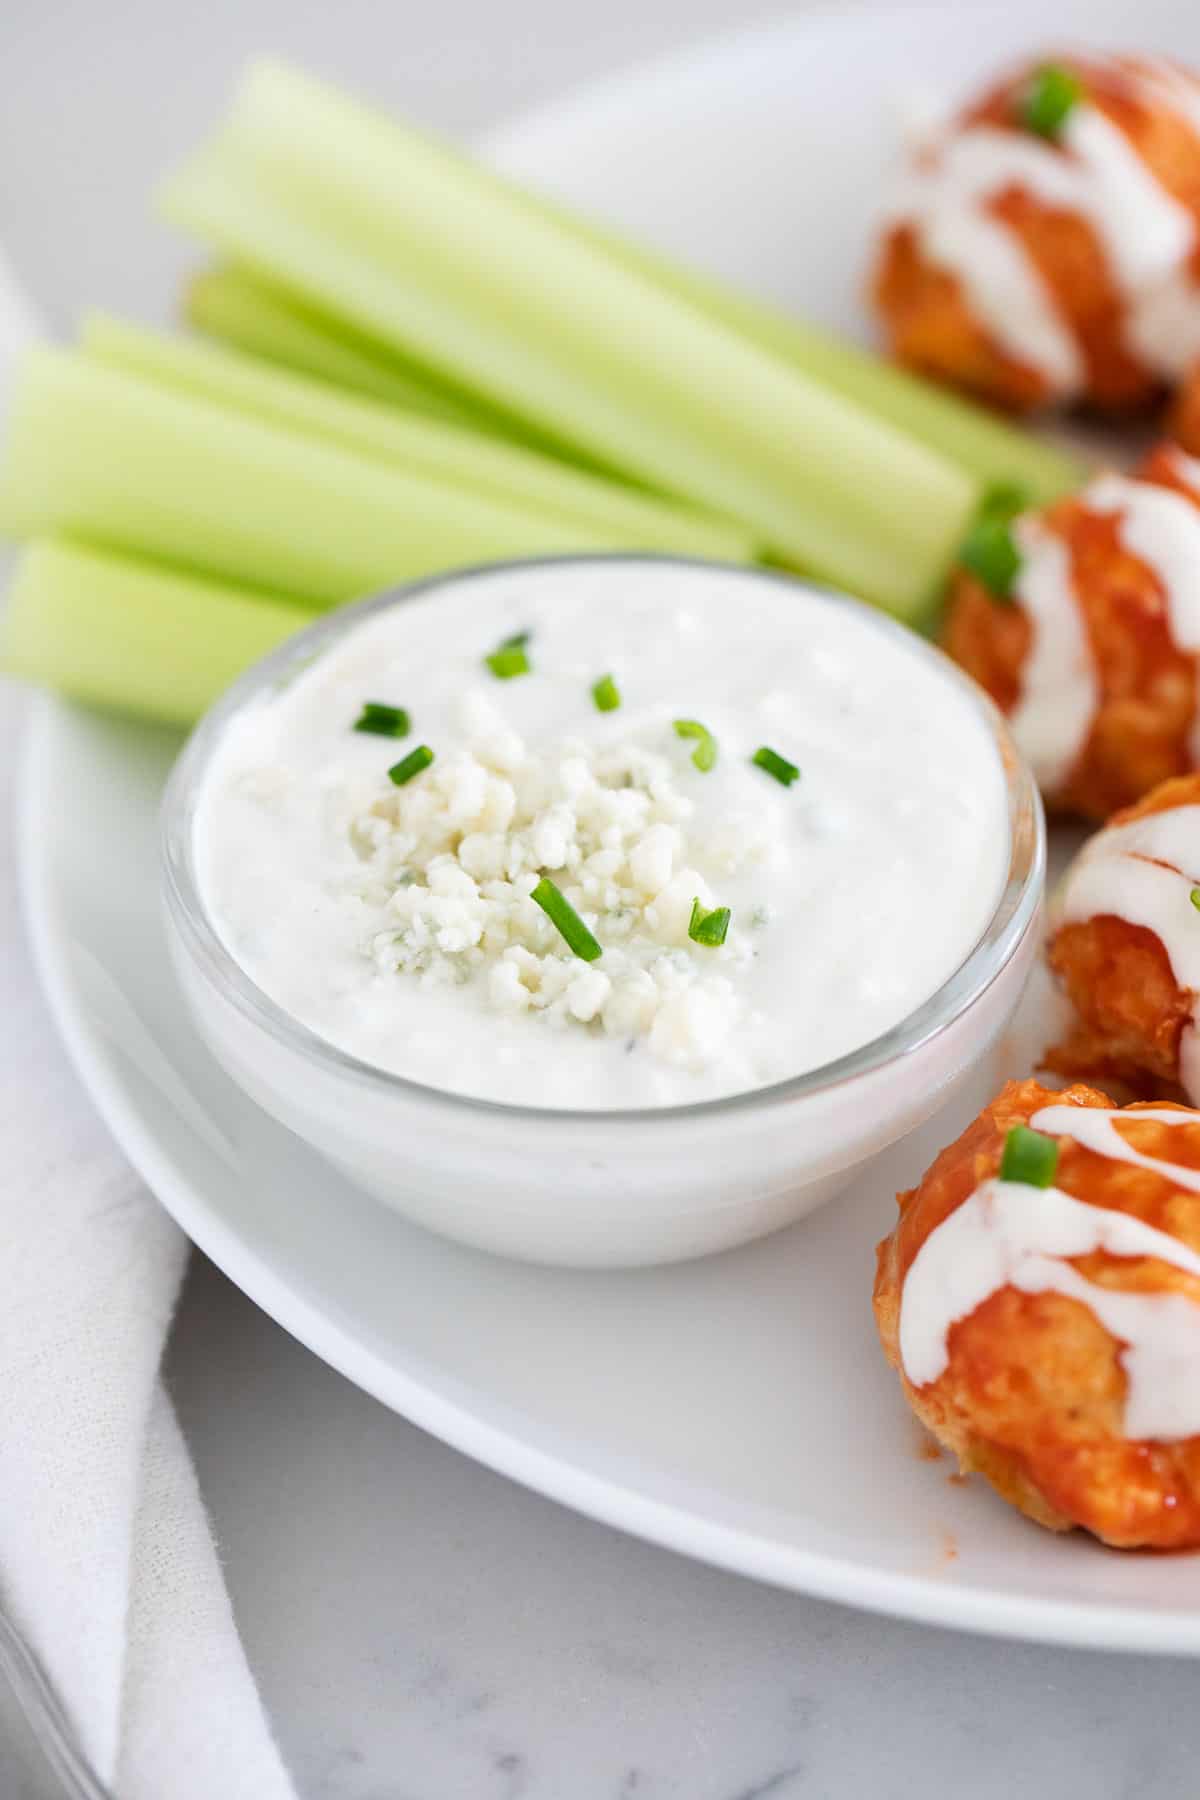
{"points": [[107, 1563]]}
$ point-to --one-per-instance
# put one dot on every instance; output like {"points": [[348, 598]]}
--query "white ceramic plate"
{"points": [[737, 1409]]}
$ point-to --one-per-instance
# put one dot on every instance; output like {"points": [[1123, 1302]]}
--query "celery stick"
{"points": [[233, 305], [102, 455], [415, 246], [427, 446], [241, 309], [982, 443], [987, 446], [132, 636], [210, 198], [229, 304]]}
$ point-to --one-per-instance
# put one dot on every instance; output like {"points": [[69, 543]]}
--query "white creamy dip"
{"points": [[1093, 171], [1009, 1234], [396, 921], [1144, 873]]}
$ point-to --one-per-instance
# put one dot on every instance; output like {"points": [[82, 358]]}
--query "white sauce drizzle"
{"points": [[1144, 872], [1094, 1127], [1162, 529], [944, 201], [1146, 234], [1163, 325], [1186, 469], [1163, 328], [1162, 83], [1060, 689], [1008, 1234]]}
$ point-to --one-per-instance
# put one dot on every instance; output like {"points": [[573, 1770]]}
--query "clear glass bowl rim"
{"points": [[1015, 910]]}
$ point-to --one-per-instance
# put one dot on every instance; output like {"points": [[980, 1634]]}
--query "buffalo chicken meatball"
{"points": [[1040, 1300], [1125, 947], [1083, 623], [1045, 247]]}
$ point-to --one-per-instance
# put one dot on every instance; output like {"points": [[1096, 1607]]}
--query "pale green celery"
{"points": [[415, 246], [243, 310], [988, 447], [102, 455], [232, 304], [133, 636], [229, 304], [427, 446]]}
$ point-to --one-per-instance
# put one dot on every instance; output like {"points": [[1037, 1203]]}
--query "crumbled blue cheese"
{"points": [[447, 864]]}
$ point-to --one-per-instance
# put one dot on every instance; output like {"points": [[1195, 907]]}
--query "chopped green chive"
{"points": [[776, 765], [507, 661], [383, 720], [1004, 500], [606, 694], [1051, 95], [991, 554], [1195, 898], [509, 658], [1029, 1156], [708, 928], [565, 920], [411, 765], [705, 754]]}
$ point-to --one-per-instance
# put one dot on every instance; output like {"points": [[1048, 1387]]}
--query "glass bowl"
{"points": [[595, 1188]]}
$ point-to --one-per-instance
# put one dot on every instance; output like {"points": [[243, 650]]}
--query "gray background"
{"points": [[422, 1629]]}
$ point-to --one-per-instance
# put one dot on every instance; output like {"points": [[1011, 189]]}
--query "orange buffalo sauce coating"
{"points": [[1129, 1010], [1183, 420], [926, 314], [1141, 733], [930, 327], [1033, 1395]]}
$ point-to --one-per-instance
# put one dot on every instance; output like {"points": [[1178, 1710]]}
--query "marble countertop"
{"points": [[421, 1628]]}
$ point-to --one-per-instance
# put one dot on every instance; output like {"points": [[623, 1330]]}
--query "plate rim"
{"points": [[670, 1523]]}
